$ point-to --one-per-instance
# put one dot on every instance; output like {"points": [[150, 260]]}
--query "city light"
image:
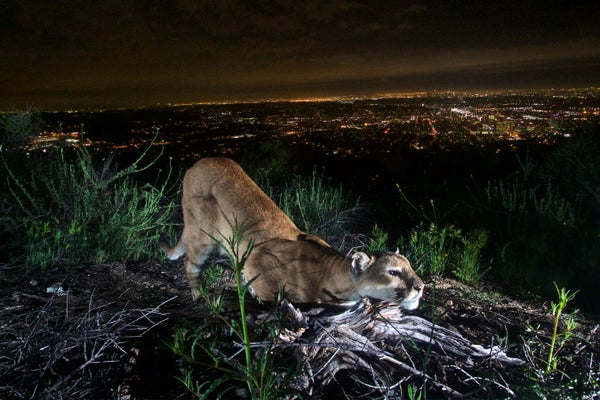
{"points": [[338, 126]]}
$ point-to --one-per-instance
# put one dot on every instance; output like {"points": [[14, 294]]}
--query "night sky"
{"points": [[77, 54]]}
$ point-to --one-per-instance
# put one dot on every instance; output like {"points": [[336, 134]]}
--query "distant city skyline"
{"points": [[65, 54]]}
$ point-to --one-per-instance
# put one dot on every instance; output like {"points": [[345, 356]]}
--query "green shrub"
{"points": [[533, 226], [436, 249], [430, 247], [467, 256], [575, 165], [66, 211], [379, 239]]}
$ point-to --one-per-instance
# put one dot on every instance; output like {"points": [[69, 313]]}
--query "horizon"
{"points": [[311, 99], [139, 53]]}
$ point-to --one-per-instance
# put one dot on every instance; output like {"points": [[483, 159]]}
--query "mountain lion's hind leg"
{"points": [[199, 248], [192, 272]]}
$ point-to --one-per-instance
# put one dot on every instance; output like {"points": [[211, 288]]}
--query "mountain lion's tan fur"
{"points": [[307, 271], [217, 193]]}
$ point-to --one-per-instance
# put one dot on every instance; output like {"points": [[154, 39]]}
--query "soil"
{"points": [[99, 331]]}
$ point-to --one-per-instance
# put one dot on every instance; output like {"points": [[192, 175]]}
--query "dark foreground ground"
{"points": [[100, 331]]}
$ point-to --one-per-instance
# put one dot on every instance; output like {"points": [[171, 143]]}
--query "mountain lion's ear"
{"points": [[360, 261], [398, 250]]}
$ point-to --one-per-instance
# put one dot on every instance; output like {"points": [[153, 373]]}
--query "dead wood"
{"points": [[64, 349], [377, 346]]}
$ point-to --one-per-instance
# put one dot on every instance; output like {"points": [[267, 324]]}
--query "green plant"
{"points": [[535, 229], [467, 256], [564, 297], [67, 211], [238, 256], [413, 393], [19, 127], [215, 345], [379, 239], [436, 249], [316, 206], [550, 374], [431, 246]]}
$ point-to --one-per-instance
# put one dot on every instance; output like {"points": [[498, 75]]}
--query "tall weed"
{"points": [[548, 364], [224, 351]]}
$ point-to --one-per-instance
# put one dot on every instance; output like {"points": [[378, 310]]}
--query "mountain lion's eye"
{"points": [[393, 272]]}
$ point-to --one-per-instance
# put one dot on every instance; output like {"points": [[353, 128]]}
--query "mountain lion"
{"points": [[218, 195]]}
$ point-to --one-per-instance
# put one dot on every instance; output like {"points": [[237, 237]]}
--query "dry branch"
{"points": [[65, 344], [378, 347]]}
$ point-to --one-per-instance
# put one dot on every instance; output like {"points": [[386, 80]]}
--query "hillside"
{"points": [[100, 331]]}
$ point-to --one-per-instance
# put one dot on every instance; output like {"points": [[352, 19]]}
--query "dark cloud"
{"points": [[76, 52]]}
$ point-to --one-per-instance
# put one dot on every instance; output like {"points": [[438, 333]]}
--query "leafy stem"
{"points": [[564, 297]]}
